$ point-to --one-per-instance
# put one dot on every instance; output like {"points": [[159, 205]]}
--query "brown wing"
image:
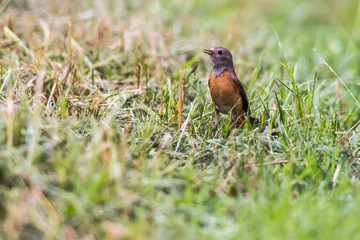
{"points": [[243, 95], [211, 78]]}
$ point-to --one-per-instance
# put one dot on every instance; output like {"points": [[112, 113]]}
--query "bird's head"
{"points": [[221, 58]]}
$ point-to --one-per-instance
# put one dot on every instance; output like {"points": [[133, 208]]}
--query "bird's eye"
{"points": [[220, 52]]}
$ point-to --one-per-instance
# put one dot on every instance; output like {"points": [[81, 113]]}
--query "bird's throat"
{"points": [[219, 69]]}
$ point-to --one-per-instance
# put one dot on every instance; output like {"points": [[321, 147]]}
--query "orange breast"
{"points": [[225, 94]]}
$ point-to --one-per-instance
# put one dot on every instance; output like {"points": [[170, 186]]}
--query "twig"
{"points": [[353, 128], [354, 174], [192, 71]]}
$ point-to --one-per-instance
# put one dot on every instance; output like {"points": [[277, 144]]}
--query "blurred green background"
{"points": [[89, 142]]}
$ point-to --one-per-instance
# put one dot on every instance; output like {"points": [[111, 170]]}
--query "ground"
{"points": [[90, 144]]}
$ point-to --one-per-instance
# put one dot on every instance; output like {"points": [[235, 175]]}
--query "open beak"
{"points": [[208, 51]]}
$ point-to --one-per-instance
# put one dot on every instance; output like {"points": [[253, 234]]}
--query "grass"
{"points": [[91, 146]]}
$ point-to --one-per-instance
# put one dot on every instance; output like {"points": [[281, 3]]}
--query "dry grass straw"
{"points": [[180, 98]]}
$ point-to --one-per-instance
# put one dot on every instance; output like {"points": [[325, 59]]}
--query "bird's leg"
{"points": [[216, 117]]}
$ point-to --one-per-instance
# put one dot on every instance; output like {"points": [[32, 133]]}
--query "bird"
{"points": [[227, 92]]}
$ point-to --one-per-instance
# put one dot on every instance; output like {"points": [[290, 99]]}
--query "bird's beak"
{"points": [[208, 51]]}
